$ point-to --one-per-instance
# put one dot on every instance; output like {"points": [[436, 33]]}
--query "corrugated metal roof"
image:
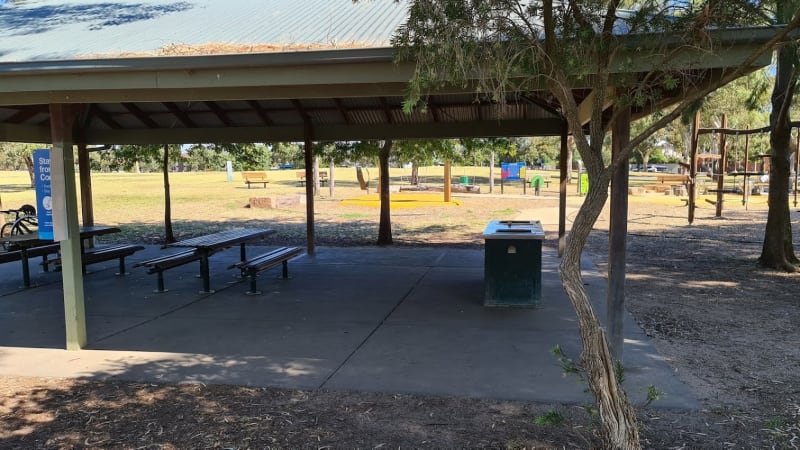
{"points": [[50, 29]]}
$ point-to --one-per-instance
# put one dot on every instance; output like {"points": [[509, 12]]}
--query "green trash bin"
{"points": [[513, 263], [463, 180]]}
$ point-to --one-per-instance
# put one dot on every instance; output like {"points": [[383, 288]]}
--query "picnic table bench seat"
{"points": [[44, 251], [99, 254], [256, 264], [15, 255], [162, 263]]}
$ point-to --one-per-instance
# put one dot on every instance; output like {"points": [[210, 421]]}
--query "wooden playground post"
{"points": [[693, 167], [447, 181], [746, 193], [723, 152]]}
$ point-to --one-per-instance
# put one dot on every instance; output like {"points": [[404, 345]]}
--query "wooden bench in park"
{"points": [[162, 263], [252, 266], [301, 177], [672, 178], [255, 177], [100, 254]]}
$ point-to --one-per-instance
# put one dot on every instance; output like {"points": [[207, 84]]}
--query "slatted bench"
{"points": [[99, 254], [43, 251], [15, 255], [252, 266], [160, 264], [255, 177], [301, 177]]}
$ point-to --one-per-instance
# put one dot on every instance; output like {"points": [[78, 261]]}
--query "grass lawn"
{"points": [[206, 201]]}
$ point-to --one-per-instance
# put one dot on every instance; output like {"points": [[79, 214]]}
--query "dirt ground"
{"points": [[727, 327]]}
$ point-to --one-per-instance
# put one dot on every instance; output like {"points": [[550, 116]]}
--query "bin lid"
{"points": [[514, 229]]}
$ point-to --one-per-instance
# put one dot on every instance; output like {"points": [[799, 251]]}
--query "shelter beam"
{"points": [[65, 223], [618, 236]]}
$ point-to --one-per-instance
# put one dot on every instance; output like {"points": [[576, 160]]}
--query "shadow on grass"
{"points": [[352, 233], [8, 188]]}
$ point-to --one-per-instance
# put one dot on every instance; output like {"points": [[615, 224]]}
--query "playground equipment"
{"points": [[719, 171]]}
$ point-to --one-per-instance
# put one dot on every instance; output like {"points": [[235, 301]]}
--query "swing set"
{"points": [[716, 165]]}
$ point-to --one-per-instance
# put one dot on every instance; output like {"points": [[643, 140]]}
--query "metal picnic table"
{"points": [[211, 243]]}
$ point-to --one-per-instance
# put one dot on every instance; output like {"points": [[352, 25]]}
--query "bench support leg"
{"points": [[253, 289], [160, 283], [285, 268], [204, 272], [121, 267]]}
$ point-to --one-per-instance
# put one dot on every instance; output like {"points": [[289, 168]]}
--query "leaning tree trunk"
{"points": [[778, 250], [385, 226], [618, 419], [169, 237], [29, 165]]}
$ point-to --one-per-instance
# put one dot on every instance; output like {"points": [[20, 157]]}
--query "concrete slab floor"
{"points": [[407, 320]]}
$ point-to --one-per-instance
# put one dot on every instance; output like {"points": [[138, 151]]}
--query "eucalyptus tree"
{"points": [[371, 150], [423, 152], [778, 250], [501, 46]]}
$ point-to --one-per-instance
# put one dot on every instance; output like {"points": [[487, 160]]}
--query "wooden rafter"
{"points": [[541, 104], [434, 110], [26, 113], [180, 114], [144, 118], [262, 113], [104, 117], [302, 111], [343, 110], [220, 113], [386, 112]]}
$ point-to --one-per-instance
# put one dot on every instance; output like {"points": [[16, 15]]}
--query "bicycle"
{"points": [[24, 221]]}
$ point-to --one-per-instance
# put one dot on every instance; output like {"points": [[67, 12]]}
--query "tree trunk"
{"points": [[29, 165], [778, 250], [414, 174], [385, 227], [618, 420], [169, 237], [568, 162]]}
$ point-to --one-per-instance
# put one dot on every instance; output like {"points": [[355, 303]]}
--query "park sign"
{"points": [[44, 196], [512, 171]]}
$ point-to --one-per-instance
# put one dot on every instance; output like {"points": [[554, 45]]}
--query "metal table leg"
{"points": [[204, 271], [26, 271]]}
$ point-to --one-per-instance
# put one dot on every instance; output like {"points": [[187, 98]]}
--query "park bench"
{"points": [[100, 254], [162, 263], [301, 177], [672, 178], [255, 177], [252, 266]]}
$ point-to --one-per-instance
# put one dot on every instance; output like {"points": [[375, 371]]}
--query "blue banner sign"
{"points": [[512, 171], [44, 196]]}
